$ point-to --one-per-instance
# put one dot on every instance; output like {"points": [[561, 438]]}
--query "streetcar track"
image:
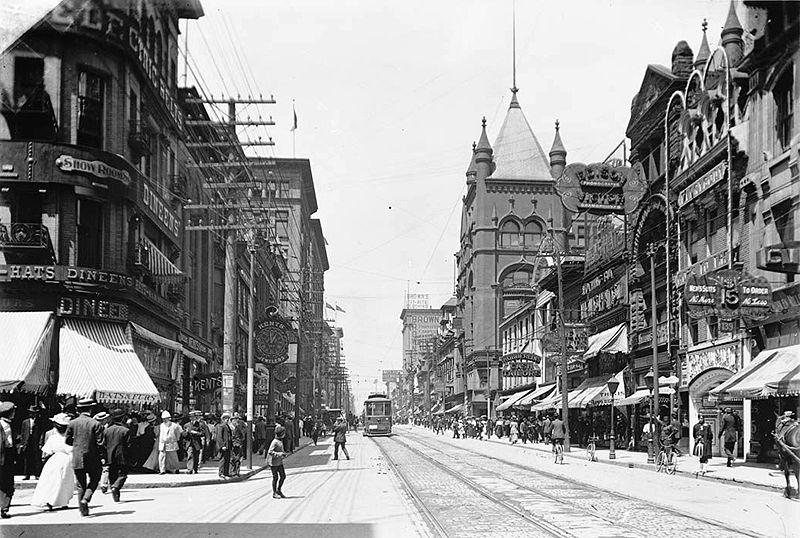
{"points": [[555, 476], [433, 522], [485, 492]]}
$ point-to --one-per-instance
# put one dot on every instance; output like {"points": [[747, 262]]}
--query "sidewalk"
{"points": [[207, 474], [756, 475]]}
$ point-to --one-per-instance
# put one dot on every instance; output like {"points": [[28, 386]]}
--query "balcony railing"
{"points": [[24, 235], [139, 138]]}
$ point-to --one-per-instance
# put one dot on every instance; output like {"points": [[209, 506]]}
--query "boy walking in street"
{"points": [[275, 456], [340, 438]]}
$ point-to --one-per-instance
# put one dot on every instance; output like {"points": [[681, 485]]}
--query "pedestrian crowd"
{"points": [[86, 446]]}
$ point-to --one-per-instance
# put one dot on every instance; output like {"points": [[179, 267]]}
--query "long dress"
{"points": [[152, 459], [57, 481], [168, 438]]}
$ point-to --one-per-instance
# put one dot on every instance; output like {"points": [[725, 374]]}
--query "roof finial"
{"points": [[483, 122], [514, 88], [705, 25], [557, 124], [473, 145]]}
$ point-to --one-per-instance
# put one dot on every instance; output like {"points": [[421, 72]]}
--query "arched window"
{"points": [[533, 234], [509, 234]]}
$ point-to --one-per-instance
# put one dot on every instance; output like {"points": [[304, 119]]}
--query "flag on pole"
{"points": [[340, 309], [328, 306], [294, 114]]}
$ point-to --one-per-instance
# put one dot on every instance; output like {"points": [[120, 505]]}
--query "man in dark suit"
{"points": [[117, 441], [195, 433], [223, 438], [85, 435], [729, 434]]}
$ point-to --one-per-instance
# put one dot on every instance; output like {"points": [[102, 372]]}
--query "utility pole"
{"points": [[654, 404], [241, 217], [563, 335]]}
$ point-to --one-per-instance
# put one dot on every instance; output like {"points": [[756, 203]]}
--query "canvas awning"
{"points": [[613, 340], [554, 400], [25, 350], [455, 408], [774, 372], [194, 356], [159, 264], [97, 358], [593, 391], [537, 395], [513, 399], [155, 338], [642, 393]]}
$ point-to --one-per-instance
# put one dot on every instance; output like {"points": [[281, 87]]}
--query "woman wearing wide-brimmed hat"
{"points": [[57, 481]]}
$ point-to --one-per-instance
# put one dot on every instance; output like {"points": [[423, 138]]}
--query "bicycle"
{"points": [[558, 451], [666, 462], [591, 447]]}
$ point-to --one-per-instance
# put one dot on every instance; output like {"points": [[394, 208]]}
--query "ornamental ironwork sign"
{"points": [[601, 188], [273, 334], [728, 294]]}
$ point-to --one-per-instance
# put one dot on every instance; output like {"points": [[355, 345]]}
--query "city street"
{"points": [[431, 486]]}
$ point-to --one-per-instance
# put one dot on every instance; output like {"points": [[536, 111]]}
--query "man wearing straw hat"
{"points": [[85, 435]]}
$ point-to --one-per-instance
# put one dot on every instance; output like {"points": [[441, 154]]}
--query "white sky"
{"points": [[389, 98]]}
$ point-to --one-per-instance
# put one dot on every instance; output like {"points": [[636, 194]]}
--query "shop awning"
{"points": [[642, 393], [159, 264], [97, 358], [513, 399], [537, 395], [554, 400], [456, 408], [194, 356], [593, 391], [774, 372], [613, 340], [25, 350], [157, 339]]}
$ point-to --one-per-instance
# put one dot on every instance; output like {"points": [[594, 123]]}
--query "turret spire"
{"points": [[704, 52], [514, 88], [558, 155], [731, 37]]}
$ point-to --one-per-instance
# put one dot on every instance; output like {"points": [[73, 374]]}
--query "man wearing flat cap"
{"points": [[85, 435], [195, 434], [224, 437], [7, 454]]}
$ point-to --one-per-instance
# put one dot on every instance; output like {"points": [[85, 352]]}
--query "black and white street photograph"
{"points": [[399, 269]]}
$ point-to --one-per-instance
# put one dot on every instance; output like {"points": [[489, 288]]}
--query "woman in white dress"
{"points": [[57, 481], [168, 437]]}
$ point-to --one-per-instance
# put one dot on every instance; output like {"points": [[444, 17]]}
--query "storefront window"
{"points": [[90, 234]]}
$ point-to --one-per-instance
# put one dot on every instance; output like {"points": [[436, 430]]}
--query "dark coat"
{"points": [[118, 441], [728, 429], [340, 433], [85, 435], [222, 432], [194, 433], [704, 435]]}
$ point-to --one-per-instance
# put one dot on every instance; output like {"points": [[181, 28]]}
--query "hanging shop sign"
{"points": [[703, 267], [601, 188], [272, 338], [79, 306], [193, 344], [206, 383], [708, 180], [68, 163], [519, 356], [577, 335], [728, 294], [598, 303], [159, 211], [608, 245]]}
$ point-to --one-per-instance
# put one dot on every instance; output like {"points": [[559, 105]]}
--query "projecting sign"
{"points": [[728, 294], [601, 188], [708, 180], [68, 163], [391, 375], [272, 337]]}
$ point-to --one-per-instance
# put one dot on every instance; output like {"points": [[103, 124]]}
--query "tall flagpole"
{"points": [[294, 129]]}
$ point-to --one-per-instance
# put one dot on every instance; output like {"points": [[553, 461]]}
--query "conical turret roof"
{"points": [[732, 23], [517, 152], [704, 52]]}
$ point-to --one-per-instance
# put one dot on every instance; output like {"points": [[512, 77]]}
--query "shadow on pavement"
{"points": [[191, 530]]}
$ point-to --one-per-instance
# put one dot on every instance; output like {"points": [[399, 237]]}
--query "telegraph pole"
{"points": [[238, 217]]}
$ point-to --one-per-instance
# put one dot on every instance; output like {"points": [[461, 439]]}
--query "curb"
{"points": [[178, 484], [652, 468]]}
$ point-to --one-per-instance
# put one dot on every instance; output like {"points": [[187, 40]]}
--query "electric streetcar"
{"points": [[377, 415]]}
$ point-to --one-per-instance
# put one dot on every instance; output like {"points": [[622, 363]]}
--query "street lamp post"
{"points": [[613, 384], [651, 458]]}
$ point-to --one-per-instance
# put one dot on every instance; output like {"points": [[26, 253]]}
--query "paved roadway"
{"points": [[419, 484]]}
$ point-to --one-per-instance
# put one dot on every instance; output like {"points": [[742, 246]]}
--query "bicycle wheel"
{"points": [[672, 464], [661, 462]]}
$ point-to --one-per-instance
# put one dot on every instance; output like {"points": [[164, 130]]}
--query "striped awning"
{"points": [[456, 408], [774, 372], [537, 395], [513, 399], [155, 338], [158, 263], [613, 340], [593, 391], [554, 400], [25, 350], [97, 358], [641, 394]]}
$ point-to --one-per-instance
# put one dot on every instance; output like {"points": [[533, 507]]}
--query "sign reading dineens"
{"points": [[160, 211]]}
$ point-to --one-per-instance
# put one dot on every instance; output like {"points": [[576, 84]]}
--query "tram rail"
{"points": [[588, 487]]}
